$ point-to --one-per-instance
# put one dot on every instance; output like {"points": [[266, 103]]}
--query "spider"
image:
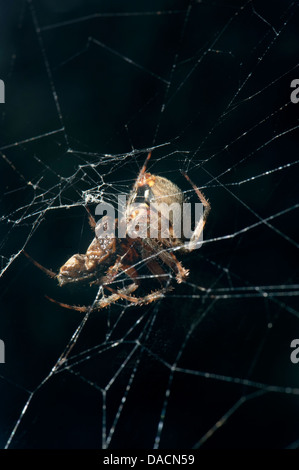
{"points": [[108, 257]]}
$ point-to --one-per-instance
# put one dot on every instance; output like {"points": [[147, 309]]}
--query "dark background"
{"points": [[90, 87]]}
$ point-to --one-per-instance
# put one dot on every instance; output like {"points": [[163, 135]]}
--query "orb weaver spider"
{"points": [[108, 257]]}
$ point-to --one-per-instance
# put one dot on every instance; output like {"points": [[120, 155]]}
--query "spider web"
{"points": [[90, 88]]}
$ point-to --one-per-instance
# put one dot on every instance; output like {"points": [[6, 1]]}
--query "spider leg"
{"points": [[124, 268], [153, 265], [142, 171], [182, 272], [125, 292], [157, 271], [49, 272], [70, 307], [147, 299], [104, 301], [91, 219], [122, 293], [166, 257], [114, 270], [201, 223]]}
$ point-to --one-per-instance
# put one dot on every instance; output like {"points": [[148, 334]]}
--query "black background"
{"points": [[208, 83]]}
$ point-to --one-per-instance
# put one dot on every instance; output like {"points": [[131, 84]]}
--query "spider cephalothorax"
{"points": [[108, 257]]}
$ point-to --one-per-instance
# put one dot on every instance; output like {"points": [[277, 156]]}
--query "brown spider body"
{"points": [[109, 257], [158, 192]]}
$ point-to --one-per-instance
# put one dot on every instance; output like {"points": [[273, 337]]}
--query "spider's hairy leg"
{"points": [[182, 273], [47, 271], [70, 307], [153, 265], [157, 270], [147, 299], [103, 302], [143, 169], [201, 223], [167, 257], [123, 264], [141, 172], [124, 293], [91, 219], [119, 267]]}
